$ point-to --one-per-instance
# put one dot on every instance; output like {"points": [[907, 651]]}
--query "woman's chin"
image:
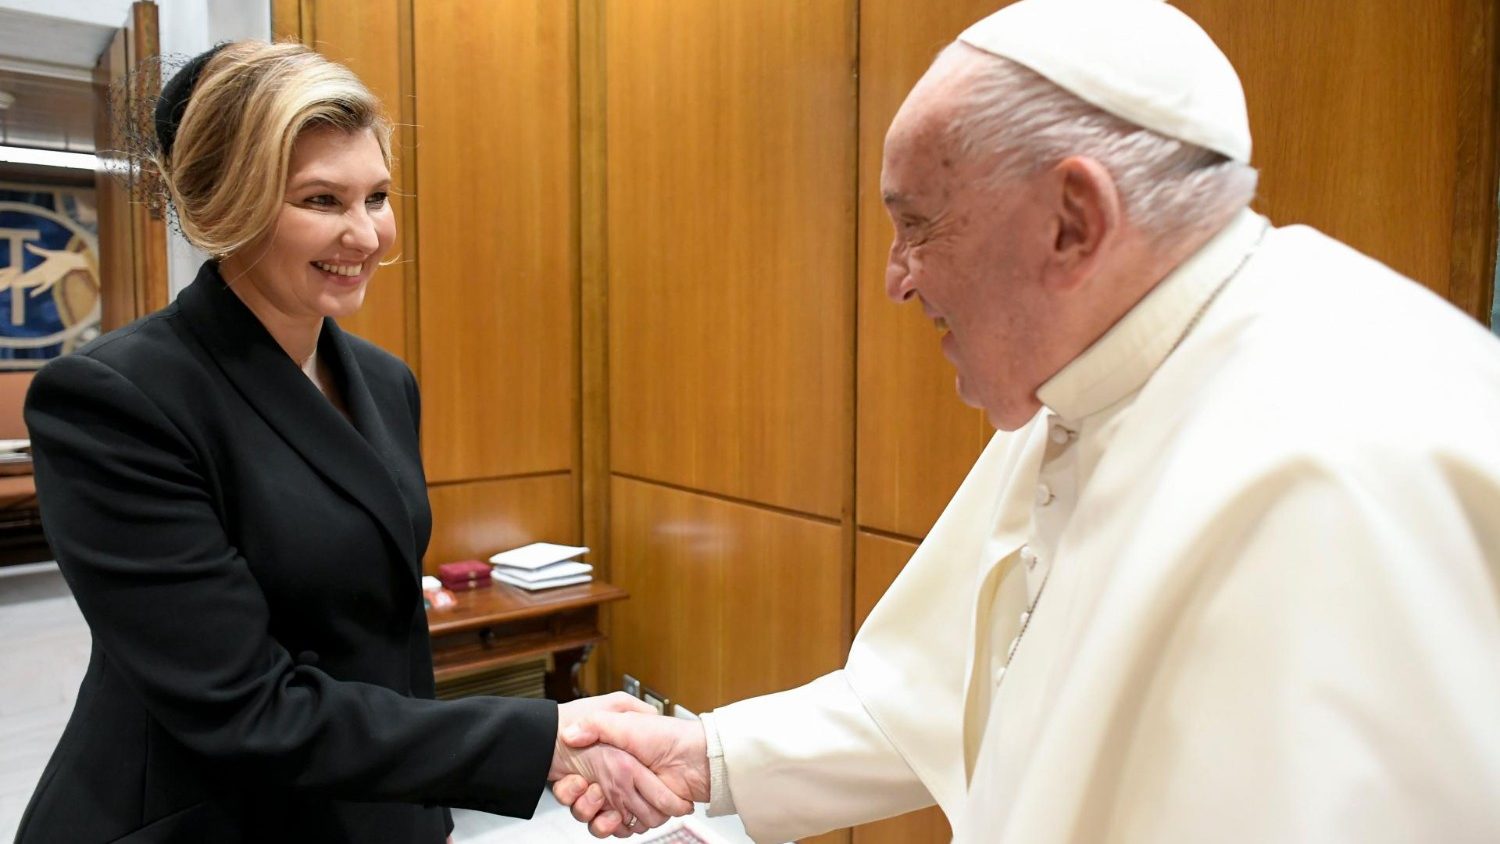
{"points": [[345, 303]]}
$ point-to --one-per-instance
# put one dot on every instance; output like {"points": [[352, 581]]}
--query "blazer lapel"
{"points": [[292, 405], [373, 432]]}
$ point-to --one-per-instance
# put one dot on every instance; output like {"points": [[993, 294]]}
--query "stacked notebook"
{"points": [[541, 565]]}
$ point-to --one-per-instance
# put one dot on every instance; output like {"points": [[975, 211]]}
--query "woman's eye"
{"points": [[322, 200], [377, 200]]}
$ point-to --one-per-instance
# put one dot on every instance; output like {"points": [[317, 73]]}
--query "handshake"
{"points": [[623, 768]]}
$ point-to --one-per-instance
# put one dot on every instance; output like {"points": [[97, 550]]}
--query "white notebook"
{"points": [[571, 568], [537, 554], [535, 585]]}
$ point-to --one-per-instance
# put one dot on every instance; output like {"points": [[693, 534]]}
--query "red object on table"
{"points": [[467, 574]]}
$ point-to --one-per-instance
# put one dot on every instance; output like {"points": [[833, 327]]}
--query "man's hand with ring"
{"points": [[610, 782], [674, 749]]}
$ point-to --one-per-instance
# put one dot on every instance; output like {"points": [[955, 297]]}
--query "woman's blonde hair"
{"points": [[226, 169]]}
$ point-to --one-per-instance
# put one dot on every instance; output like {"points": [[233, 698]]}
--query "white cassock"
{"points": [[1263, 517]]}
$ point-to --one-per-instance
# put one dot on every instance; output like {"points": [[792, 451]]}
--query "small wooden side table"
{"points": [[501, 625]]}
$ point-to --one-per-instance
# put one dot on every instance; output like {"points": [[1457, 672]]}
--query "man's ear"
{"points": [[1088, 215]]}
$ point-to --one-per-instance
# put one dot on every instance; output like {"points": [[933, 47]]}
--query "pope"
{"points": [[1230, 569]]}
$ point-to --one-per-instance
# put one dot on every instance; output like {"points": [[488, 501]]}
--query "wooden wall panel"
{"points": [[365, 37], [496, 108], [916, 439], [877, 561], [474, 520], [730, 225], [1354, 112], [927, 826], [286, 20], [727, 600]]}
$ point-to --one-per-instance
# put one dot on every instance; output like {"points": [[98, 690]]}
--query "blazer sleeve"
{"points": [[811, 759], [176, 612]]}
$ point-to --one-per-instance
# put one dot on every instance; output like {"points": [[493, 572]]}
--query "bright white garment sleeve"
{"points": [[811, 759]]}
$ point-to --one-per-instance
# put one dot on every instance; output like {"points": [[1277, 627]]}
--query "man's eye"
{"points": [[377, 200]]}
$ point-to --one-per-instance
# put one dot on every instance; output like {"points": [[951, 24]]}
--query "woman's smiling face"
{"points": [[334, 226]]}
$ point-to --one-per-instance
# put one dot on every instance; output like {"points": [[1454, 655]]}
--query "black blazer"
{"points": [[249, 565]]}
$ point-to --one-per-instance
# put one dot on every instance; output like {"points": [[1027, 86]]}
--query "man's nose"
{"points": [[898, 284]]}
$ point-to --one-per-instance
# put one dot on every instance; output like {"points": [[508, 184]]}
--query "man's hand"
{"points": [[636, 799], [674, 749]]}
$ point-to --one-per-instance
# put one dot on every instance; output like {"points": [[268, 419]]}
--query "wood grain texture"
{"points": [[116, 248], [473, 520], [498, 604], [153, 286], [925, 826], [496, 103], [593, 298], [730, 227], [916, 439], [365, 37], [727, 600], [1476, 200], [1354, 112], [286, 20], [877, 561]]}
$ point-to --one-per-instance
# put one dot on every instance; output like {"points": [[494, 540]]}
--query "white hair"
{"points": [[1027, 123]]}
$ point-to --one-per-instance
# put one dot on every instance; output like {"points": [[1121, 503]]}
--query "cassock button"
{"points": [[1028, 556], [1060, 435], [308, 658], [1025, 617], [1044, 495]]}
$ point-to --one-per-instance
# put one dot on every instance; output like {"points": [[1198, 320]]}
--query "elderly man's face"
{"points": [[972, 255]]}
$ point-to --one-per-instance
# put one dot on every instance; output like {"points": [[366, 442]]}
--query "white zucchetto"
{"points": [[1140, 60]]}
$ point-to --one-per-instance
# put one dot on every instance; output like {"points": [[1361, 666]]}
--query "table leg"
{"points": [[562, 680]]}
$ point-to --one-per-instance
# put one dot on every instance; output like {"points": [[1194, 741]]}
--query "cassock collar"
{"points": [[1120, 362], [353, 457]]}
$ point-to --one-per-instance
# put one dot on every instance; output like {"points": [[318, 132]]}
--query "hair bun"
{"points": [[174, 99]]}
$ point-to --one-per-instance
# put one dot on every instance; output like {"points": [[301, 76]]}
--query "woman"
{"points": [[234, 490]]}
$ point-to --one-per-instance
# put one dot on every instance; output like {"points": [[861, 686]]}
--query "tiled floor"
{"points": [[44, 649]]}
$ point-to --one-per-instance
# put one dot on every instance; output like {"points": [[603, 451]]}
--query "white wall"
{"points": [[110, 13]]}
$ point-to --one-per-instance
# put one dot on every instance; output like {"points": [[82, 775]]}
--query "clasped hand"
{"points": [[624, 769]]}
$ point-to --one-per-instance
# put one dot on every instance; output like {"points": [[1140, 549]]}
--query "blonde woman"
{"points": [[235, 493]]}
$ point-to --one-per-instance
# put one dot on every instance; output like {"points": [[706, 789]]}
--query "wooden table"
{"points": [[501, 625]]}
